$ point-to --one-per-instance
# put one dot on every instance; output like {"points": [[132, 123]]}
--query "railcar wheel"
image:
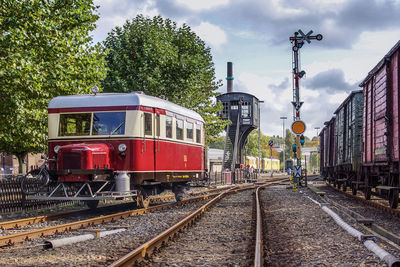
{"points": [[394, 198], [178, 191], [92, 204], [344, 187], [367, 193], [142, 202]]}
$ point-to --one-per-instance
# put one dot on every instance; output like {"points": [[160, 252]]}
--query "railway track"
{"points": [[370, 222], [20, 234], [375, 201], [146, 249]]}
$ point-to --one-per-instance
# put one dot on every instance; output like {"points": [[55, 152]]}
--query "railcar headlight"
{"points": [[56, 148], [122, 148]]}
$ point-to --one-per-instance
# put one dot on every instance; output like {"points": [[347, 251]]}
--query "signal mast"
{"points": [[298, 126]]}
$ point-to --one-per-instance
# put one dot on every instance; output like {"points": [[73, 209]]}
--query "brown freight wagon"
{"points": [[380, 146], [348, 137], [327, 141]]}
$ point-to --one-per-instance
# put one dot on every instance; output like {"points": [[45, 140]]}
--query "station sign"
{"points": [[298, 127]]}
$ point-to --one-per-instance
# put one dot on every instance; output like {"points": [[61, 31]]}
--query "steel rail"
{"points": [[258, 254], [147, 248], [258, 251], [388, 209], [29, 235], [51, 217]]}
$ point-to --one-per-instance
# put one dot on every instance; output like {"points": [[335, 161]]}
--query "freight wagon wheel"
{"points": [[92, 204], [344, 187], [367, 193], [338, 185], [354, 189], [394, 198]]}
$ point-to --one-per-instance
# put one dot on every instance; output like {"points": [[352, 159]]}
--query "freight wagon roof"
{"points": [[120, 99], [380, 64], [332, 120], [321, 133], [347, 100]]}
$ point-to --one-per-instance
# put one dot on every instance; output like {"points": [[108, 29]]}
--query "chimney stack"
{"points": [[229, 78]]}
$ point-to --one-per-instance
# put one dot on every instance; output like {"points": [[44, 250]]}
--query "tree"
{"points": [[265, 152], [45, 51], [217, 142], [289, 141], [160, 59]]}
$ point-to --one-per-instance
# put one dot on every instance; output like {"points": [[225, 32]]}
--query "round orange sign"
{"points": [[298, 127]]}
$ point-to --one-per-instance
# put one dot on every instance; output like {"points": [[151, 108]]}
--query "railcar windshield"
{"points": [[74, 124], [104, 123], [108, 123]]}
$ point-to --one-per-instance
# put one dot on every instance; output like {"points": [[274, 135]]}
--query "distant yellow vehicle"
{"points": [[265, 164]]}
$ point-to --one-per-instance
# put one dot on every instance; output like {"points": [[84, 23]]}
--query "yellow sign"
{"points": [[298, 127]]}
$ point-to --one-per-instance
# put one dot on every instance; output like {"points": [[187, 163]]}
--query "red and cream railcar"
{"points": [[108, 146]]}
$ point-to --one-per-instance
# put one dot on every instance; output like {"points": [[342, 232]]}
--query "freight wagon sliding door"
{"points": [[395, 85], [380, 117]]}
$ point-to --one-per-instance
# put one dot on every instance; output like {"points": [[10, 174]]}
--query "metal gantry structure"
{"points": [[298, 40]]}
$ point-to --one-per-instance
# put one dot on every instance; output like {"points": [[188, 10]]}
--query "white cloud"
{"points": [[197, 5], [211, 34]]}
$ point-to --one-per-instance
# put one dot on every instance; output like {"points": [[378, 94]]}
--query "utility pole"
{"points": [[283, 118], [259, 137], [317, 128], [270, 143], [298, 127]]}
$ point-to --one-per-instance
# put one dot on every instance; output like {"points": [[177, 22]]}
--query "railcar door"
{"points": [[147, 150], [157, 128]]}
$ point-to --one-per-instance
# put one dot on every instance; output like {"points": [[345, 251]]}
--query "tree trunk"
{"points": [[21, 158]]}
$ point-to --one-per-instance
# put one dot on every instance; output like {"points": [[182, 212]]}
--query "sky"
{"points": [[254, 35]]}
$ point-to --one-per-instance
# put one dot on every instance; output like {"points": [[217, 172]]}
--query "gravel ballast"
{"points": [[299, 233], [102, 251], [222, 237]]}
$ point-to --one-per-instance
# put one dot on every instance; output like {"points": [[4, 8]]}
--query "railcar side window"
{"points": [[148, 123], [74, 124], [108, 123], [189, 131], [179, 129], [168, 127], [198, 134]]}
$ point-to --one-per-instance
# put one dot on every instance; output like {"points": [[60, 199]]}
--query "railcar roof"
{"points": [[120, 99], [380, 64], [347, 100]]}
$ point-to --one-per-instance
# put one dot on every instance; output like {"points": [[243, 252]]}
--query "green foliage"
{"points": [[45, 51], [289, 141], [217, 142], [265, 152], [159, 58]]}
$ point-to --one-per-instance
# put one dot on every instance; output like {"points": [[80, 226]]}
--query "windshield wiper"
{"points": [[116, 129]]}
